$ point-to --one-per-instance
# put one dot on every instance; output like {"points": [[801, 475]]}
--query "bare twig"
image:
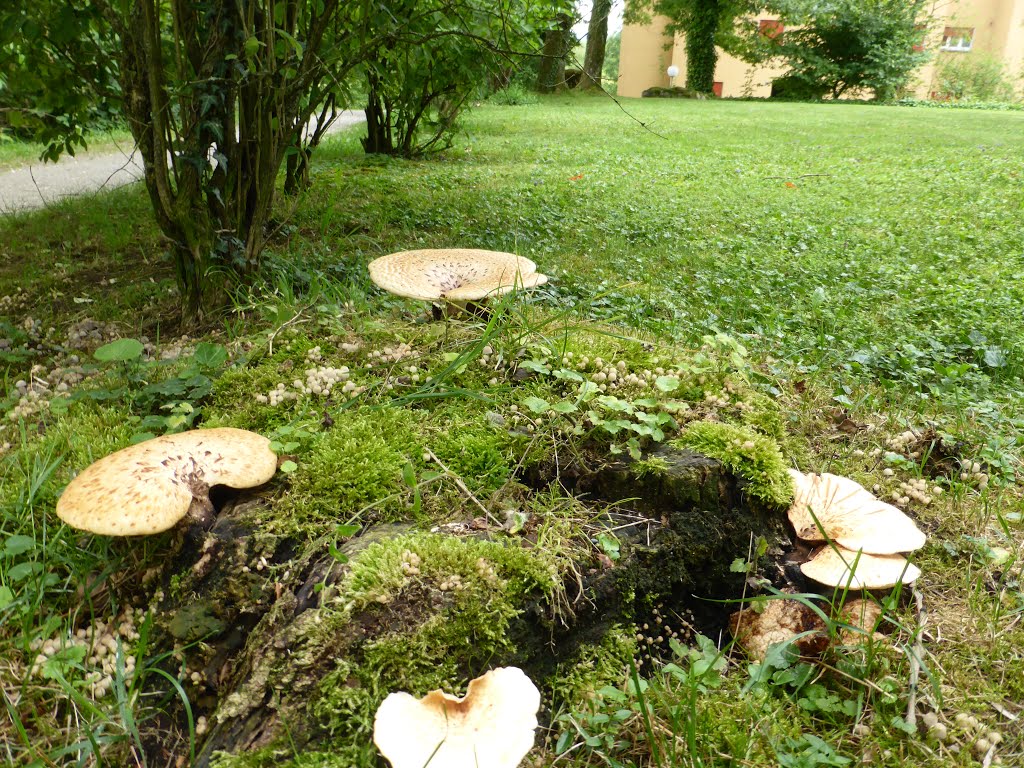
{"points": [[285, 324], [462, 487]]}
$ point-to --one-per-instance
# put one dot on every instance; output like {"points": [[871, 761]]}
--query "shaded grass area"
{"points": [[865, 263]]}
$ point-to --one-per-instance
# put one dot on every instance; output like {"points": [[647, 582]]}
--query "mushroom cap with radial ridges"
{"points": [[492, 725], [453, 274], [832, 567], [148, 487], [850, 515]]}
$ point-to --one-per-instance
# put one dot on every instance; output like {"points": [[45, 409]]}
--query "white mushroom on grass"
{"points": [[845, 569], [492, 726], [832, 508], [453, 276], [863, 535], [148, 487]]}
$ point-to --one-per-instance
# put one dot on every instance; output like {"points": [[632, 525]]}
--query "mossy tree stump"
{"points": [[300, 660]]}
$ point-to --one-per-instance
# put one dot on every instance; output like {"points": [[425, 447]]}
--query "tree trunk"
{"points": [[597, 37], [701, 55], [551, 76], [379, 138], [278, 667]]}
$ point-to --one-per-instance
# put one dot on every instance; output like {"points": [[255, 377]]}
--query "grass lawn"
{"points": [[18, 153], [843, 282]]}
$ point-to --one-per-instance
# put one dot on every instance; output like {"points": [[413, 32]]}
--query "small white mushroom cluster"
{"points": [[100, 642], [410, 563], [984, 740], [89, 333], [180, 347], [899, 443], [862, 535], [320, 381], [13, 302], [916, 490], [35, 394], [28, 405], [390, 354], [971, 471]]}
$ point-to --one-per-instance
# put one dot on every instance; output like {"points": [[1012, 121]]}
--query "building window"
{"points": [[771, 28], [957, 39]]}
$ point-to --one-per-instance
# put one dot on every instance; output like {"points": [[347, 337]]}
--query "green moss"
{"points": [[594, 666], [752, 456], [653, 465], [357, 462], [343, 756], [764, 417], [440, 608], [480, 454]]}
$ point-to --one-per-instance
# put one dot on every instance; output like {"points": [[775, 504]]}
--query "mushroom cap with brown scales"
{"points": [[492, 725], [850, 515], [843, 568], [453, 274], [148, 487]]}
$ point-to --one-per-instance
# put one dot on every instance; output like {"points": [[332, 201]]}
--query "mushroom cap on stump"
{"points": [[492, 725], [850, 515], [453, 274], [148, 487]]}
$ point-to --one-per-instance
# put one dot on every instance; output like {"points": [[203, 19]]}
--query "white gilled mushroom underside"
{"points": [[863, 534], [850, 515], [492, 726], [147, 488], [453, 275], [843, 568]]}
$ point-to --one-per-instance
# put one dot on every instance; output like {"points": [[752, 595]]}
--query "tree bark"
{"points": [[597, 37], [551, 76]]}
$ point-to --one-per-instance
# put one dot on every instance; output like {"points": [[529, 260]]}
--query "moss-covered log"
{"points": [[295, 646]]}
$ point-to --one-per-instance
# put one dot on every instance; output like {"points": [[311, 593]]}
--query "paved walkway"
{"points": [[36, 185]]}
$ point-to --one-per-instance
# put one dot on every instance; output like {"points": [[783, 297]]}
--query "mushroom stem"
{"points": [[201, 510]]}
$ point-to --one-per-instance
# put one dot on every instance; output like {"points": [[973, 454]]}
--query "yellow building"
{"points": [[958, 28]]}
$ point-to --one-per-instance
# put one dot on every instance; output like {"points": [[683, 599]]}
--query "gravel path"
{"points": [[39, 184]]}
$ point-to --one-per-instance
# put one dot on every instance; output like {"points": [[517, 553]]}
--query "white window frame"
{"points": [[960, 41]]}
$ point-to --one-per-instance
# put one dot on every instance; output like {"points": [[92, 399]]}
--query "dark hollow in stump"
{"points": [[688, 520]]}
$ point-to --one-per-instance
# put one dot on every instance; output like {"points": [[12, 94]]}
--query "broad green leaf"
{"points": [[119, 351], [537, 404], [209, 355], [18, 544], [667, 383]]}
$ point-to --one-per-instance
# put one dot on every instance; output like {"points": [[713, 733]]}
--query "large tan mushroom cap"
{"points": [[147, 488], [781, 620], [849, 515], [491, 727], [832, 567], [453, 274]]}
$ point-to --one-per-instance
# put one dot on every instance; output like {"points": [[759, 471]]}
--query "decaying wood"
{"points": [[679, 527]]}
